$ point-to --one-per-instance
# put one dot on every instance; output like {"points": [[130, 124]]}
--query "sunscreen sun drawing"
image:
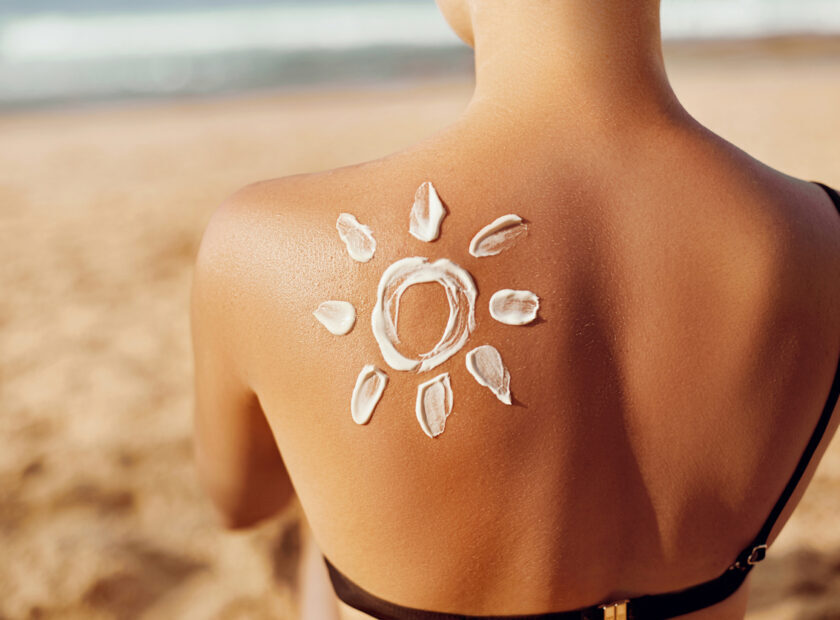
{"points": [[434, 400]]}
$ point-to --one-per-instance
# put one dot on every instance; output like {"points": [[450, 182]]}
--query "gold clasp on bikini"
{"points": [[615, 611]]}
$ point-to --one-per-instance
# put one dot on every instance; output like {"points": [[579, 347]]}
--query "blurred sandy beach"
{"points": [[101, 212]]}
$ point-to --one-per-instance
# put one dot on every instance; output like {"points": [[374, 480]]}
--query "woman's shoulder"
{"points": [[273, 214], [269, 245], [732, 218]]}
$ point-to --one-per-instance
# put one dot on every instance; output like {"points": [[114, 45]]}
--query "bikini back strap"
{"points": [[359, 598], [652, 607], [757, 550], [832, 193]]}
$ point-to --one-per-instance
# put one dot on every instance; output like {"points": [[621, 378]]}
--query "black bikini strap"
{"points": [[832, 193], [653, 607], [756, 551], [359, 598]]}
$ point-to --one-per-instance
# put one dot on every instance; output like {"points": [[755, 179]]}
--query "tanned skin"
{"points": [[687, 339]]}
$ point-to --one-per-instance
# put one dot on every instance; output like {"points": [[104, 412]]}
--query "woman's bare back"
{"points": [[686, 341]]}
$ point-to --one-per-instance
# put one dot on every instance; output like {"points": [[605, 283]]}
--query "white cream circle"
{"points": [[460, 293]]}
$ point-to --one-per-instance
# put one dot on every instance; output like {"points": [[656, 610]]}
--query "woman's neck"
{"points": [[562, 61]]}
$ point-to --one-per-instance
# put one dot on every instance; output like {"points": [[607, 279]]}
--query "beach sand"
{"points": [[101, 212]]}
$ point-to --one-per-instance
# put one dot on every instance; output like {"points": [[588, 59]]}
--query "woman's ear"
{"points": [[457, 15]]}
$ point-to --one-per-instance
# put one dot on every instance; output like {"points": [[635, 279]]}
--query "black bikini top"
{"points": [[652, 607]]}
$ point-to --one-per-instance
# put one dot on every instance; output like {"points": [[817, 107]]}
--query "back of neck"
{"points": [[554, 61]]}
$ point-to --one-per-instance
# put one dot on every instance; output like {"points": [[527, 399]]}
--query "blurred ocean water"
{"points": [[54, 51]]}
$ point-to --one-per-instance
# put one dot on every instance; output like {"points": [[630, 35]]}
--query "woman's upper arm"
{"points": [[238, 461]]}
